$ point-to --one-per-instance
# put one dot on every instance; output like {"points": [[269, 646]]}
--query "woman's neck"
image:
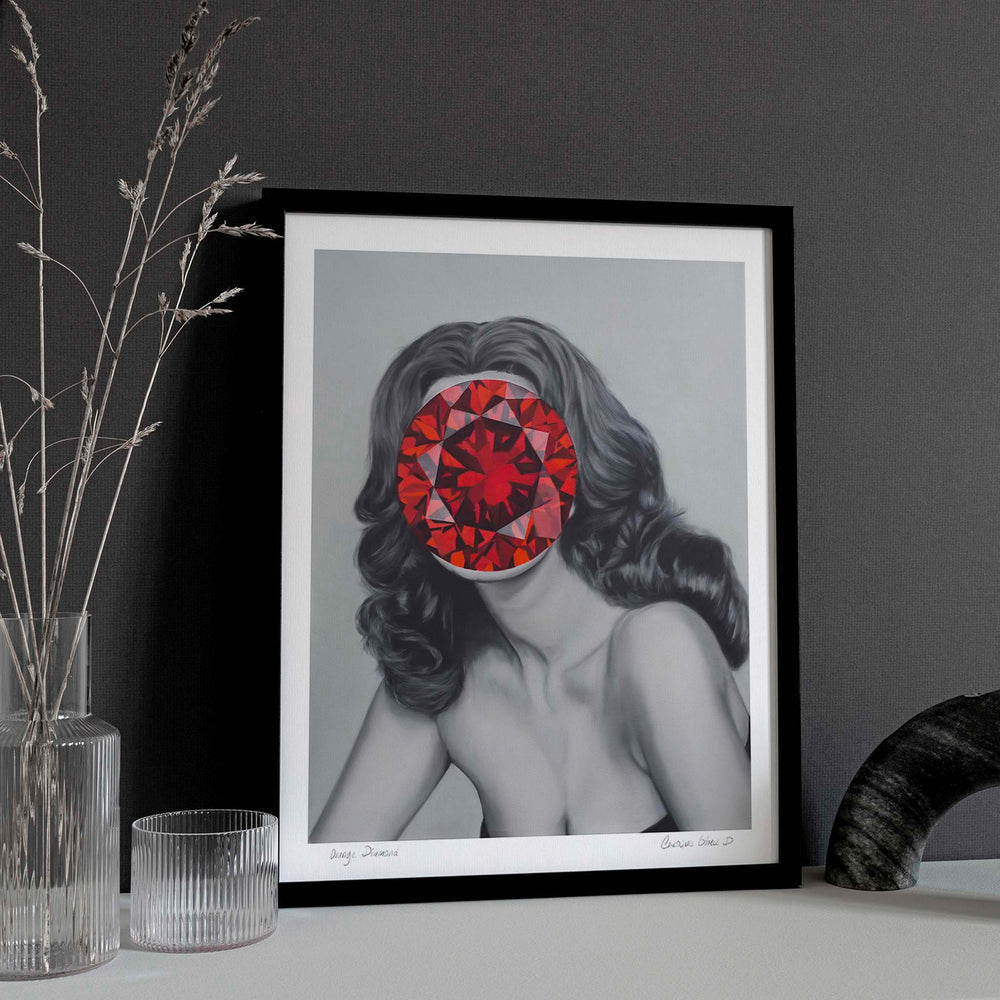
{"points": [[550, 613]]}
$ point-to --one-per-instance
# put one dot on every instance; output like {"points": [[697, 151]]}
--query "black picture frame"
{"points": [[781, 868]]}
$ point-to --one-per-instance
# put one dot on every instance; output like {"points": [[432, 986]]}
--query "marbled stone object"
{"points": [[912, 778]]}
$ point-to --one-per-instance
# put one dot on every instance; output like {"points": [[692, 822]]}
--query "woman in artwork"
{"points": [[542, 616]]}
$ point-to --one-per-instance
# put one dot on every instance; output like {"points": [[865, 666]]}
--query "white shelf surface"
{"points": [[939, 940]]}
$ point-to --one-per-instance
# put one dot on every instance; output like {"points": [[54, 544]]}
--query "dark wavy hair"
{"points": [[625, 537]]}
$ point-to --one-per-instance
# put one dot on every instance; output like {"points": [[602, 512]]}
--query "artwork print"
{"points": [[529, 643]]}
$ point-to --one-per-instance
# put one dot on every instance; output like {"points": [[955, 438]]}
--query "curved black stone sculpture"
{"points": [[941, 756]]}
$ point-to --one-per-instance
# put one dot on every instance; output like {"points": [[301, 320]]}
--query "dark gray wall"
{"points": [[879, 123]]}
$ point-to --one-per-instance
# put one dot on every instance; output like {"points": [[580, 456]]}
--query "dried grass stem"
{"points": [[187, 106]]}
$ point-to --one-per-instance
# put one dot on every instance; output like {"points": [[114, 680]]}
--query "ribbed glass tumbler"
{"points": [[204, 879]]}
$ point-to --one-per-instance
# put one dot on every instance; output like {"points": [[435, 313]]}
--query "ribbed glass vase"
{"points": [[204, 879], [59, 816]]}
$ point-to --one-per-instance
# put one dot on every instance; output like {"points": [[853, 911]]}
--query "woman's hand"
{"points": [[688, 722], [396, 762]]}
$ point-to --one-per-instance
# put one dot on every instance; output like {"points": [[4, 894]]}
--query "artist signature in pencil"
{"points": [[345, 856], [704, 840]]}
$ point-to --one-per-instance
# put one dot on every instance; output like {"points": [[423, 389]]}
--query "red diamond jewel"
{"points": [[487, 475]]}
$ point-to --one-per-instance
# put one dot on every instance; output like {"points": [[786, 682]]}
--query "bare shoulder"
{"points": [[394, 720], [663, 644], [683, 727]]}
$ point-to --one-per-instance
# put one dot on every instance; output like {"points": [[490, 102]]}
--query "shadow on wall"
{"points": [[204, 727]]}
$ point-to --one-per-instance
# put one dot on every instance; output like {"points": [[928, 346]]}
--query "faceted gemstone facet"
{"points": [[486, 475]]}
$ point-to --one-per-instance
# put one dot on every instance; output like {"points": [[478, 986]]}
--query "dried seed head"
{"points": [[37, 397], [229, 293], [188, 34], [205, 227], [198, 118], [227, 32], [189, 38], [30, 66], [215, 190], [185, 315], [247, 229], [144, 433], [205, 77], [173, 64], [135, 196], [26, 27], [34, 251]]}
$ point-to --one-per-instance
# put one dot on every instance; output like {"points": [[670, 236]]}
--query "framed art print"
{"points": [[538, 593]]}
